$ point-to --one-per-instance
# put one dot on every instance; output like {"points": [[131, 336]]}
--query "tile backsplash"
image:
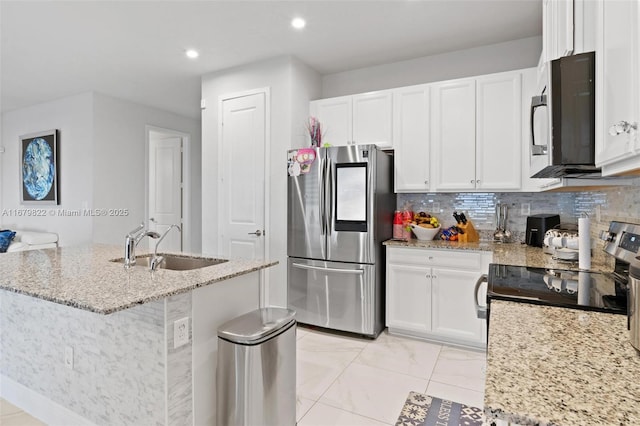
{"points": [[602, 205]]}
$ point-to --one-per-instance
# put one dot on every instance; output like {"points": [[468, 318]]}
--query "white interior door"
{"points": [[242, 181], [165, 190]]}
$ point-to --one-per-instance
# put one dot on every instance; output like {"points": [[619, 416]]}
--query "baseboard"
{"points": [[39, 406]]}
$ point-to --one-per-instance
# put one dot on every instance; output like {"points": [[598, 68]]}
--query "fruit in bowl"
{"points": [[424, 231]]}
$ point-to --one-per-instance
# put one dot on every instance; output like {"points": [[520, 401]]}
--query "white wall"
{"points": [[73, 117], [511, 55], [289, 108], [102, 165], [120, 140]]}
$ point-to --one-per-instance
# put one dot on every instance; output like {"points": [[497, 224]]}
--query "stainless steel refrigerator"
{"points": [[340, 208]]}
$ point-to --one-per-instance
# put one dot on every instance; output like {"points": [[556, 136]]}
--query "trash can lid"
{"points": [[256, 326]]}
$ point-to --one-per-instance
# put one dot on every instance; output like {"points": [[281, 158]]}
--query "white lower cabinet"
{"points": [[453, 311], [430, 294], [409, 298]]}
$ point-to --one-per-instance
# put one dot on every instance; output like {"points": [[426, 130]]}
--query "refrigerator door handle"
{"points": [[329, 187], [323, 210], [320, 268]]}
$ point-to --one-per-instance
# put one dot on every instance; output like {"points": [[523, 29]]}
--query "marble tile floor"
{"points": [[346, 381]]}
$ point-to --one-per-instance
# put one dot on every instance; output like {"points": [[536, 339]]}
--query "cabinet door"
{"points": [[408, 298], [498, 132], [372, 119], [335, 117], [617, 84], [453, 137], [557, 28], [454, 312], [411, 138]]}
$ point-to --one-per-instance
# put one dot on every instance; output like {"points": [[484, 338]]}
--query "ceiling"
{"points": [[135, 49]]}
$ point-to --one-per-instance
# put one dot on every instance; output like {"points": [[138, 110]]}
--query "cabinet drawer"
{"points": [[458, 259]]}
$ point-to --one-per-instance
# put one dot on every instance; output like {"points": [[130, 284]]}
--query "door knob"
{"points": [[258, 233], [153, 219]]}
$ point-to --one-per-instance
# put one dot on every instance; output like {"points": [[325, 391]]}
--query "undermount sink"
{"points": [[176, 262]]}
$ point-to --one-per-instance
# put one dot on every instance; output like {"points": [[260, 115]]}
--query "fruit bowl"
{"points": [[424, 233]]}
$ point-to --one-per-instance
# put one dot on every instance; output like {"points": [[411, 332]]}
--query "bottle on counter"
{"points": [[407, 218], [398, 232]]}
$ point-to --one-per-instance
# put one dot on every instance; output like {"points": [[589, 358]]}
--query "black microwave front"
{"points": [[563, 120]]}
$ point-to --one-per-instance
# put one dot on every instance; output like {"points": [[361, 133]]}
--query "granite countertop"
{"points": [[516, 254], [556, 366], [84, 277]]}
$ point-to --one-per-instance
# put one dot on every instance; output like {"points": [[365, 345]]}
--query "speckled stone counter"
{"points": [[508, 254], [556, 366], [84, 277]]}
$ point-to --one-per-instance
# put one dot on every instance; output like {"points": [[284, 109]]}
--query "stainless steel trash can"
{"points": [[256, 371]]}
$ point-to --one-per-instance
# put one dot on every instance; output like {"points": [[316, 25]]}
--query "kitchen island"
{"points": [[556, 366], [86, 341]]}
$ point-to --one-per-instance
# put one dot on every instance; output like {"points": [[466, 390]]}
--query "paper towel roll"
{"points": [[584, 243]]}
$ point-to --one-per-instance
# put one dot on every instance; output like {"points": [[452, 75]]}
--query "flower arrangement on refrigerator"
{"points": [[315, 131]]}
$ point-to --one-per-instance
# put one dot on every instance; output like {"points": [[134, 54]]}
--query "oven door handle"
{"points": [[481, 311]]}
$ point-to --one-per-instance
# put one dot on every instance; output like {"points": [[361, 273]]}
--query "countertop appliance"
{"points": [[586, 290], [563, 120], [538, 225], [340, 210]]}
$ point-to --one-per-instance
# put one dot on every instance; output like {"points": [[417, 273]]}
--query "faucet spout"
{"points": [[131, 242], [157, 260]]}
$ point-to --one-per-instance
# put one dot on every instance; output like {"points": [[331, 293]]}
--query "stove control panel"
{"points": [[622, 241]]}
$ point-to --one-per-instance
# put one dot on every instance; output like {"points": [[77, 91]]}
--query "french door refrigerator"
{"points": [[340, 208]]}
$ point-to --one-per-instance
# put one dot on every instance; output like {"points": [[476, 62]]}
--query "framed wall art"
{"points": [[39, 169]]}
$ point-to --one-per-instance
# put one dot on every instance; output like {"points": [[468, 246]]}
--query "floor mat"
{"points": [[424, 410]]}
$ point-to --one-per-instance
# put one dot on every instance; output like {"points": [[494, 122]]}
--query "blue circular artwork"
{"points": [[38, 170]]}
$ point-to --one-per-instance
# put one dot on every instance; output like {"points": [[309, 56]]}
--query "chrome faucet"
{"points": [[131, 241], [156, 261]]}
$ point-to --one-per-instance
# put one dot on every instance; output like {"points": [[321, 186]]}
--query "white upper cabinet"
{"points": [[335, 116], [453, 135], [568, 27], [358, 119], [411, 138], [499, 140], [372, 118], [476, 132], [618, 87]]}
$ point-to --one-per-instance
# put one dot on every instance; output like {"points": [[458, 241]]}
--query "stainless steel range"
{"points": [[586, 290]]}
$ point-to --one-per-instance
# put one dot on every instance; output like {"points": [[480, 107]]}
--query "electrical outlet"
{"points": [[180, 332], [525, 209], [68, 357]]}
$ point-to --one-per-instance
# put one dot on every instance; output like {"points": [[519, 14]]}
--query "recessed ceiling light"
{"points": [[192, 53], [298, 23]]}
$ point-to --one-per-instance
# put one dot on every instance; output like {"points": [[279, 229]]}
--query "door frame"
{"points": [[264, 293], [186, 180]]}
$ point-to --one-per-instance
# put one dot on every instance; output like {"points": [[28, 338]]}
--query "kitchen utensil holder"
{"points": [[470, 234]]}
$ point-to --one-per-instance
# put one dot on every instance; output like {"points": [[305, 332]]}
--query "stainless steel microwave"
{"points": [[563, 120]]}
